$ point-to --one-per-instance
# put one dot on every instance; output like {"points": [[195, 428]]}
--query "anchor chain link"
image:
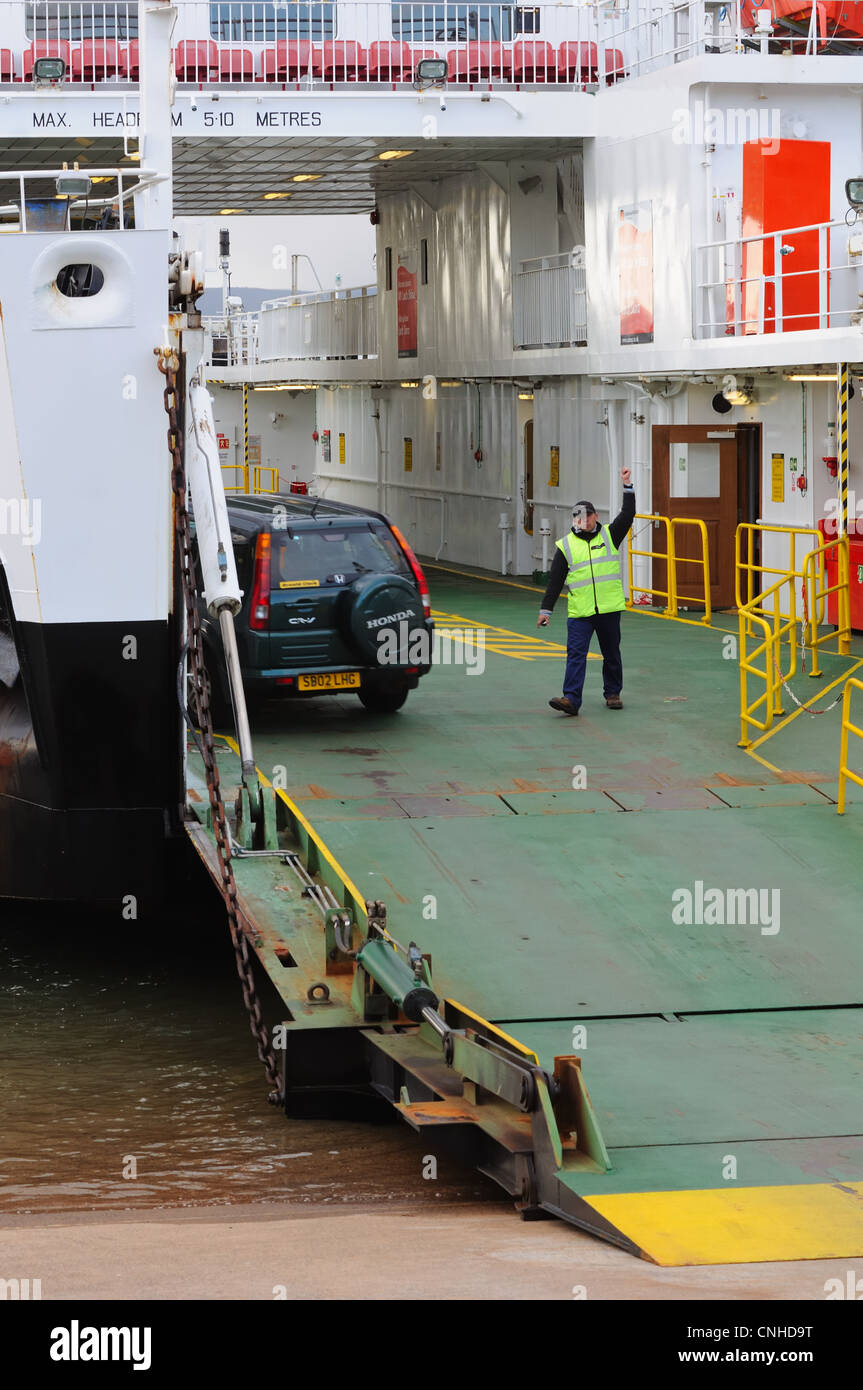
{"points": [[169, 366]]}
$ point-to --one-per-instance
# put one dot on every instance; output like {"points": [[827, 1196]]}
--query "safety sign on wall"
{"points": [[635, 272], [409, 455], [777, 478], [341, 448], [325, 446], [554, 469], [406, 304]]}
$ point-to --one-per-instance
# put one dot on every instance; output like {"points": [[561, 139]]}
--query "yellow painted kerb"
{"points": [[745, 1225], [334, 864]]}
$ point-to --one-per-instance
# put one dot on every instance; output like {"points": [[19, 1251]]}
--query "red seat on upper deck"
{"points": [[577, 61], [288, 61], [614, 65], [196, 60], [96, 59], [7, 67], [389, 61], [479, 59], [533, 60], [45, 48], [342, 60], [133, 61], [236, 65]]}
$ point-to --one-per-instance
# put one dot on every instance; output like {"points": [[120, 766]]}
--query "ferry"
{"points": [[610, 961]]}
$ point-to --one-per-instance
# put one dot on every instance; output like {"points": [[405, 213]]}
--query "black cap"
{"points": [[583, 506]]}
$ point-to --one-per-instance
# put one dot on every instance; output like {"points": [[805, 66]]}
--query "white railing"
{"points": [[320, 44], [333, 324], [29, 201], [340, 323], [549, 306], [779, 282], [232, 340]]}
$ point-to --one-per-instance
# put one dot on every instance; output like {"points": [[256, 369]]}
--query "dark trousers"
{"points": [[578, 634]]}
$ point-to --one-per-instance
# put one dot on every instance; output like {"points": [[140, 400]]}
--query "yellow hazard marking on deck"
{"points": [[359, 900], [811, 1221], [493, 1028], [503, 641]]}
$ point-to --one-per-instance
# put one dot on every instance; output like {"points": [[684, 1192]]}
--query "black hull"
{"points": [[90, 766]]}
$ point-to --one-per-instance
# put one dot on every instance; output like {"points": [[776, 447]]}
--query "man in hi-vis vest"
{"points": [[587, 562]]}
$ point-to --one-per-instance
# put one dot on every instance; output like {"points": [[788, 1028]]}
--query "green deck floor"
{"points": [[554, 905]]}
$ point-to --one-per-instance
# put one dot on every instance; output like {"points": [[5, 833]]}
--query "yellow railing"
{"points": [[815, 570], [845, 773], [771, 614], [670, 595], [235, 468], [257, 472]]}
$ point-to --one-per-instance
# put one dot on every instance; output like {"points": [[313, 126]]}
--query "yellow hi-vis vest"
{"points": [[593, 583]]}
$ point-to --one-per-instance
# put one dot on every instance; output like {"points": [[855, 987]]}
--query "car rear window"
{"points": [[335, 554]]}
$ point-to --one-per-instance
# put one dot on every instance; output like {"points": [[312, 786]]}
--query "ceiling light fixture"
{"points": [[811, 376], [408, 384], [306, 178], [226, 212], [395, 154], [269, 196]]}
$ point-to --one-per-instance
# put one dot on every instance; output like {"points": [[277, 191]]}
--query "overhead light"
{"points": [[48, 72], [408, 384], [525, 395], [289, 386], [432, 70], [269, 196], [450, 383], [735, 394], [395, 154], [71, 184], [226, 212], [305, 178], [810, 376]]}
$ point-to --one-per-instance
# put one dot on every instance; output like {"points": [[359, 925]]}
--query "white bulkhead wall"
{"points": [[286, 442], [88, 416], [464, 313]]}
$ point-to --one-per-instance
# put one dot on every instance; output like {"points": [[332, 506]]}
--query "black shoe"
{"points": [[614, 702], [564, 705]]}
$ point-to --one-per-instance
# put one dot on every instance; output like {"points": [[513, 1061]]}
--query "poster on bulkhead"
{"points": [[406, 297], [635, 271]]}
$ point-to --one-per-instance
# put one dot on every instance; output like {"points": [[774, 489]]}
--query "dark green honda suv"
{"points": [[334, 601]]}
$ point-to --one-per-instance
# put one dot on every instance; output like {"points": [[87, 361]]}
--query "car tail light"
{"points": [[259, 618], [417, 571], [284, 680]]}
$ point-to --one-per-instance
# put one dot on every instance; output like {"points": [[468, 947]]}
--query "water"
{"points": [[129, 1080]]}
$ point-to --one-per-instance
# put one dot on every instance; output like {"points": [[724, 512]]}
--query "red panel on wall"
{"points": [[786, 184]]}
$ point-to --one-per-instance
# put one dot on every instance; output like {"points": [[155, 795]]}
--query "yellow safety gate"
{"points": [[257, 472], [845, 773], [670, 595], [769, 616]]}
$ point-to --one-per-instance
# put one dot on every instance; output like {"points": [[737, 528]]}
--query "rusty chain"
{"points": [[169, 366]]}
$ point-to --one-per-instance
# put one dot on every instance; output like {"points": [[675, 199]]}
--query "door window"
{"points": [[693, 470]]}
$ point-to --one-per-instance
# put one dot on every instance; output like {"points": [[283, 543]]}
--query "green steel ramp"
{"points": [[626, 902]]}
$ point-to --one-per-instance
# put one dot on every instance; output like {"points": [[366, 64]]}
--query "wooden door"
{"points": [[695, 474]]}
